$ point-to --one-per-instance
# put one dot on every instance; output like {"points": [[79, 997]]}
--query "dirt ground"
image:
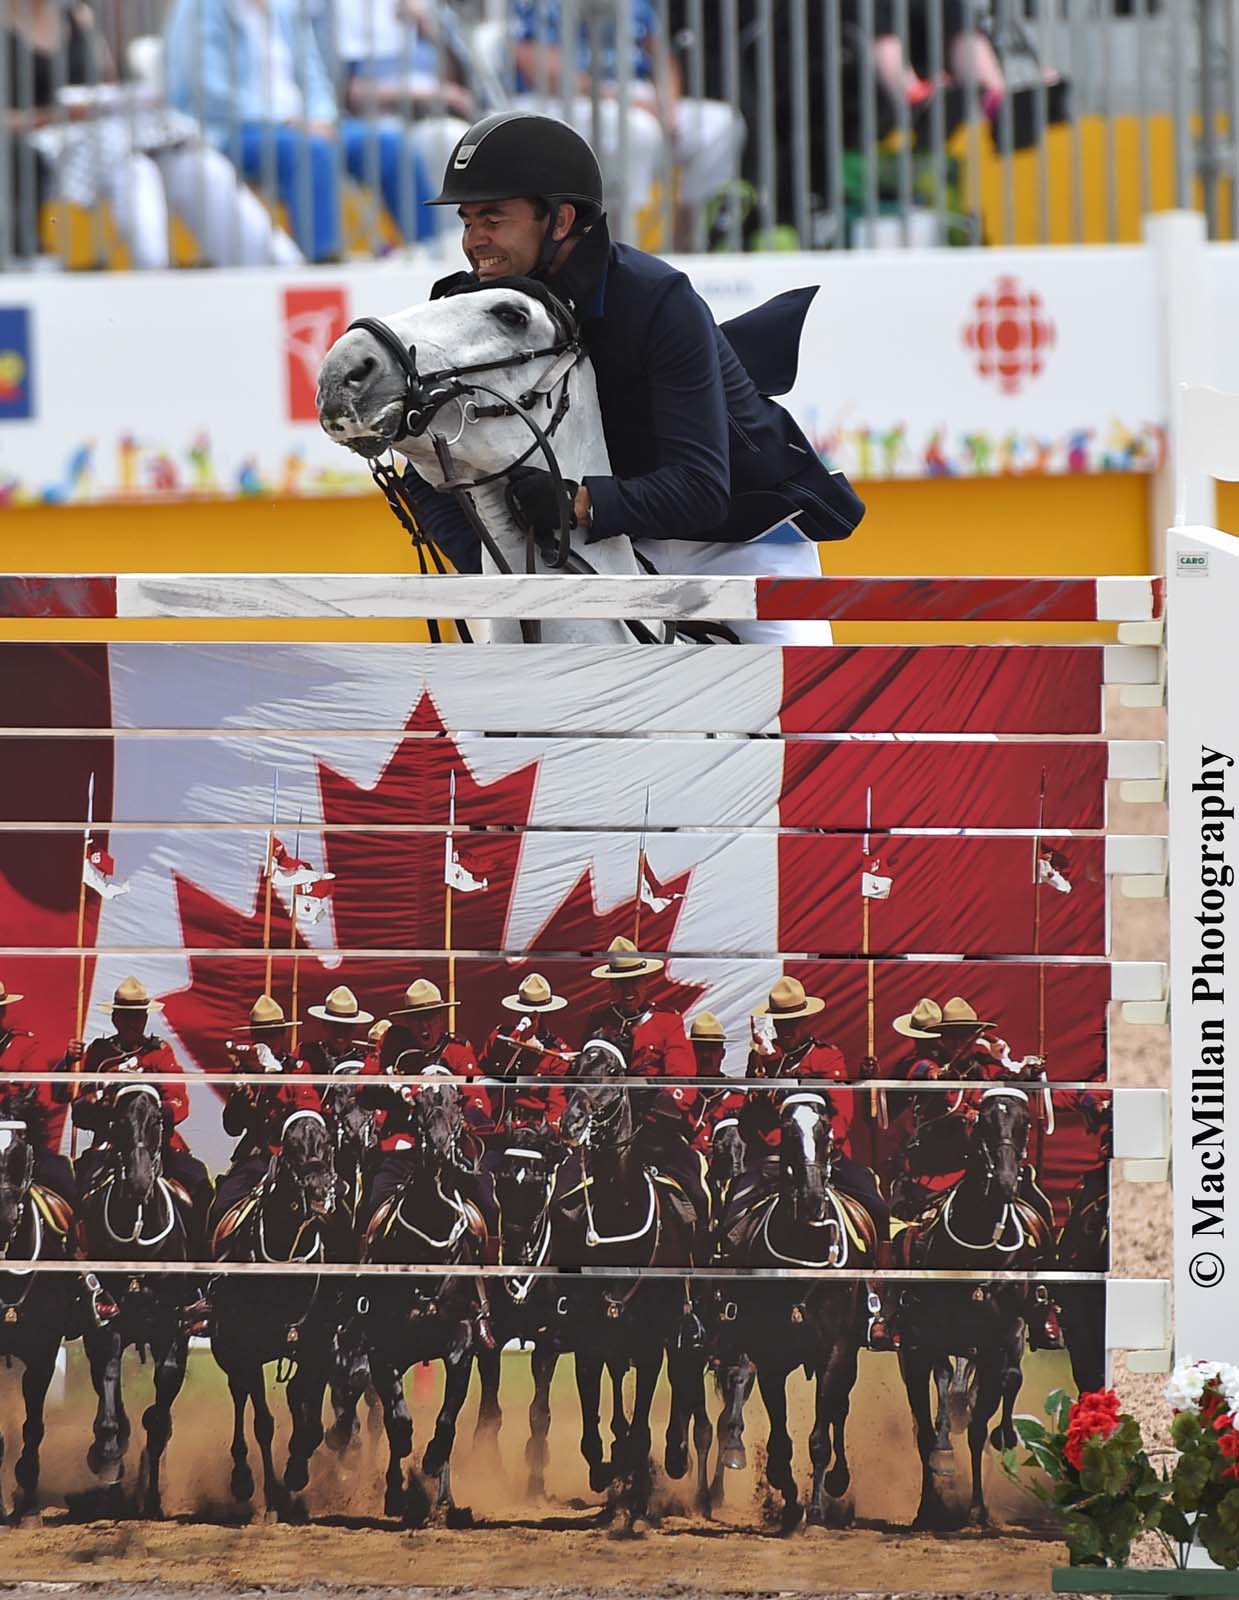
{"points": [[556, 1550]]}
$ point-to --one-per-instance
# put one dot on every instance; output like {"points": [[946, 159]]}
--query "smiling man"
{"points": [[708, 472]]}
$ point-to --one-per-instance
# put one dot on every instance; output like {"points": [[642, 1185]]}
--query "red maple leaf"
{"points": [[389, 893]]}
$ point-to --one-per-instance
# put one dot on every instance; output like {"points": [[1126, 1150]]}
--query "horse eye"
{"points": [[512, 316]]}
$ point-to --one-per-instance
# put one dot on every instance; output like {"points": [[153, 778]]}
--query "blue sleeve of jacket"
{"points": [[445, 522], [689, 492]]}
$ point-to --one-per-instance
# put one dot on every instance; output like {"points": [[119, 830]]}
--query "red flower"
{"points": [[1092, 1416], [1220, 1424], [1228, 1444]]}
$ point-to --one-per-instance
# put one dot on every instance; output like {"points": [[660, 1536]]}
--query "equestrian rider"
{"points": [[338, 1049], [130, 1049], [19, 1053], [709, 1046], [658, 1048], [529, 1048], [417, 1043], [256, 1114], [704, 463], [797, 1052]]}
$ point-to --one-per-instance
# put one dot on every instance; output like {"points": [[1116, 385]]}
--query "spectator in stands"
{"points": [[137, 156], [968, 54], [406, 64], [256, 70], [702, 137]]}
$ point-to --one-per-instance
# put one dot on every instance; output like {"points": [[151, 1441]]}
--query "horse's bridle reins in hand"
{"points": [[428, 392]]}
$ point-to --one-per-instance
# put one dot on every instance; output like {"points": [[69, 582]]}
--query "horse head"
{"points": [[524, 1176], [137, 1134], [599, 1110], [439, 1120], [727, 1155], [1000, 1140], [464, 366], [16, 1172], [304, 1171], [806, 1155], [355, 1125]]}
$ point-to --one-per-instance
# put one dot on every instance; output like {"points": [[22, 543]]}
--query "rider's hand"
{"points": [[75, 1050], [869, 1067], [537, 502]]}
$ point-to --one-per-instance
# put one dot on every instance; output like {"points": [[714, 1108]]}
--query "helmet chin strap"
{"points": [[550, 245]]}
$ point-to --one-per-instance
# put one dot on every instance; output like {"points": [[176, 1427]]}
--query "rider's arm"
{"points": [[175, 1096], [443, 520], [688, 493]]}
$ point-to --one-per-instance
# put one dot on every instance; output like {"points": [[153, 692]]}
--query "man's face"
{"points": [[425, 1027], [709, 1055], [630, 997], [503, 238], [129, 1025], [275, 1039], [791, 1031]]}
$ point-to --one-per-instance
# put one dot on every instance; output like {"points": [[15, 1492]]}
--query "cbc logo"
{"points": [[1206, 1270]]}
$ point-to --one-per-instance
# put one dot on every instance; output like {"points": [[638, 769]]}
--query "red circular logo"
{"points": [[1010, 334]]}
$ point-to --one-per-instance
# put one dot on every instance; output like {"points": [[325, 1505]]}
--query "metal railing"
{"points": [[274, 131]]}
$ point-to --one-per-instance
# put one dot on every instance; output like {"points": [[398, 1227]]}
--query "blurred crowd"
{"points": [[258, 123]]}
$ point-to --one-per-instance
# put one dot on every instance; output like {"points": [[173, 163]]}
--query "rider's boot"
{"points": [[880, 1333], [98, 1306], [1044, 1331]]}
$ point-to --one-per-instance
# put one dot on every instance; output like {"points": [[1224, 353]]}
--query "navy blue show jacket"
{"points": [[698, 450]]}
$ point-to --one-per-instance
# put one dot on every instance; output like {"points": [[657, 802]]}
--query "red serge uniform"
{"points": [[759, 1112], [93, 1107], [659, 1049], [399, 1058], [19, 1053], [530, 1106], [1096, 1107], [256, 1114]]}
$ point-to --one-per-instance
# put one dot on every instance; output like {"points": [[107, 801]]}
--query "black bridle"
{"points": [[426, 393]]}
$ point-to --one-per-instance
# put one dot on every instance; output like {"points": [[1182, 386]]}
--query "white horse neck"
{"points": [[581, 450]]}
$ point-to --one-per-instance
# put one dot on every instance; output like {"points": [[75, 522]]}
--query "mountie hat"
{"points": [[266, 1013], [341, 1006], [131, 995], [421, 995], [7, 999], [624, 961], [705, 1028], [957, 1013], [921, 1022], [788, 999], [534, 994]]}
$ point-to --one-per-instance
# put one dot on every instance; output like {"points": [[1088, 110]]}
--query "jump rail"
{"points": [[571, 750]]}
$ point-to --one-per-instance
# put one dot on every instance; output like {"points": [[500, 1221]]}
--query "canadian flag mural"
{"points": [[541, 843]]}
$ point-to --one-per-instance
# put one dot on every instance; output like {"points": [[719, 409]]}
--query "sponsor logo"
{"points": [[16, 378], [1009, 334], [313, 320], [1192, 563]]}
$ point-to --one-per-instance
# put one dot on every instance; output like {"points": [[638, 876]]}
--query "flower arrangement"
{"points": [[1106, 1492], [1102, 1486]]}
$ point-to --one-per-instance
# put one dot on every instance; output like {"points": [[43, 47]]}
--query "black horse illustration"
{"points": [[798, 1220], [292, 1216], [982, 1221]]}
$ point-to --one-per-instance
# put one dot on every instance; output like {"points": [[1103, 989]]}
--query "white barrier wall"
{"points": [[923, 364]]}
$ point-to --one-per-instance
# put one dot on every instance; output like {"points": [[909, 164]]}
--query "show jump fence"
{"points": [[883, 822]]}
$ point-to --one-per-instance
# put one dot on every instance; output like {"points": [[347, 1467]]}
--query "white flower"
{"points": [[1187, 1383]]}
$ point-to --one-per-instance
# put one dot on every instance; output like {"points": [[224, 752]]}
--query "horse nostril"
{"points": [[361, 370]]}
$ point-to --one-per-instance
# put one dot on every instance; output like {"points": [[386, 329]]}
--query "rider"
{"points": [[417, 1043], [704, 464], [339, 1049], [709, 1043], [18, 1053], [658, 1048], [256, 1114], [129, 1050], [529, 1049], [797, 1052]]}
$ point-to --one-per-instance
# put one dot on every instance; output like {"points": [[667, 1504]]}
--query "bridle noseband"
{"points": [[426, 393]]}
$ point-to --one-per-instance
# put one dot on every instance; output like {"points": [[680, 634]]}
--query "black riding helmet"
{"points": [[514, 154]]}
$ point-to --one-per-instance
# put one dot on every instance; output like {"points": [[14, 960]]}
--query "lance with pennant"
{"points": [[292, 939], [266, 915], [448, 864], [1046, 1121], [636, 920], [877, 1097], [81, 944]]}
